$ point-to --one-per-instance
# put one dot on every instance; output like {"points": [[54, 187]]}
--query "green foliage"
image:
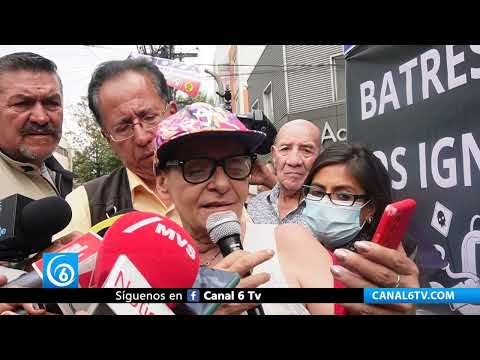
{"points": [[183, 101], [93, 156]]}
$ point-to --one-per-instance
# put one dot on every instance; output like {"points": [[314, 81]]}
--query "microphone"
{"points": [[157, 248], [224, 230], [125, 274], [86, 246], [27, 225]]}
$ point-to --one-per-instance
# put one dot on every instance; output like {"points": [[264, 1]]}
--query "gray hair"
{"points": [[28, 61], [111, 69]]}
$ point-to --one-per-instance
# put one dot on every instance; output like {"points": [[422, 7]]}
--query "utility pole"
{"points": [[166, 52]]}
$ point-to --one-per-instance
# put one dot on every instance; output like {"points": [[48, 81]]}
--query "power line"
{"points": [[246, 65], [272, 65], [227, 75], [290, 69]]}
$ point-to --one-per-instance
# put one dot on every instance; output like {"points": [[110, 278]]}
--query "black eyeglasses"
{"points": [[199, 170], [315, 193]]}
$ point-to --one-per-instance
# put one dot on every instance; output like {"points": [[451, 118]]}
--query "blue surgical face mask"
{"points": [[335, 226]]}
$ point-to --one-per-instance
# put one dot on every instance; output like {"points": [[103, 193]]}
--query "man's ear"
{"points": [[162, 182], [273, 151], [109, 139], [105, 135]]}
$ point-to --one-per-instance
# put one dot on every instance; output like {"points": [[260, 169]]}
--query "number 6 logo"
{"points": [[61, 270]]}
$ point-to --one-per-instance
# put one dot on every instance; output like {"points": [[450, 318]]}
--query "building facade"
{"points": [[301, 82], [234, 64]]}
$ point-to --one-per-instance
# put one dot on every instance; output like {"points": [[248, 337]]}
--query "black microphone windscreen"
{"points": [[45, 217]]}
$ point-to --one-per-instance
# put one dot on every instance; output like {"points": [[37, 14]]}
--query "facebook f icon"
{"points": [[193, 295]]}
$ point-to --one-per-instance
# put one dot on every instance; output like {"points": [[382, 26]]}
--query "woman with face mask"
{"points": [[346, 192]]}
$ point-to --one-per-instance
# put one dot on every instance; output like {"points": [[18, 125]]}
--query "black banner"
{"points": [[418, 108], [24, 295]]}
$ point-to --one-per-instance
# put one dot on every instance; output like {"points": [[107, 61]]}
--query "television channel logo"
{"points": [[60, 270], [193, 295]]}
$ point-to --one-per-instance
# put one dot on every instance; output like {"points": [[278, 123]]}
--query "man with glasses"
{"points": [[198, 170], [128, 99]]}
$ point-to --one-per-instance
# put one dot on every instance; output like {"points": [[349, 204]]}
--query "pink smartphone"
{"points": [[394, 223]]}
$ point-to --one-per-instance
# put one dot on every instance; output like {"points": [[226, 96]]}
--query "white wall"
{"points": [[247, 55], [66, 161], [221, 57]]}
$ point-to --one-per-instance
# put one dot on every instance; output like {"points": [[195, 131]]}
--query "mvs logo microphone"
{"points": [[60, 270]]}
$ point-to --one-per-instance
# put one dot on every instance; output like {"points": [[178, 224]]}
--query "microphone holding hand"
{"points": [[224, 230], [144, 250]]}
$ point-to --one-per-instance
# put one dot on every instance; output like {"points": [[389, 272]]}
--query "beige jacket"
{"points": [[25, 179]]}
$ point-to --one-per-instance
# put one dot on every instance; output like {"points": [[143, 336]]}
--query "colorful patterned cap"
{"points": [[205, 120]]}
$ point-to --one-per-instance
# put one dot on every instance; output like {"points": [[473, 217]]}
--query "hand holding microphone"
{"points": [[144, 250], [224, 230], [243, 262], [7, 309]]}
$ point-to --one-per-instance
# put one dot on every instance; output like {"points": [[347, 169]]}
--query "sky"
{"points": [[76, 63]]}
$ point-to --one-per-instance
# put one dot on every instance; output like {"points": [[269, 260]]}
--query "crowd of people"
{"points": [[309, 228]]}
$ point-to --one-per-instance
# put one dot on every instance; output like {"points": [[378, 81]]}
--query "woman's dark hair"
{"points": [[366, 168]]}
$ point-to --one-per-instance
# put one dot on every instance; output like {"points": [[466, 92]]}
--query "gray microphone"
{"points": [[224, 230]]}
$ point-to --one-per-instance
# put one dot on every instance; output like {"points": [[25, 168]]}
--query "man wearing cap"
{"points": [[205, 156]]}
